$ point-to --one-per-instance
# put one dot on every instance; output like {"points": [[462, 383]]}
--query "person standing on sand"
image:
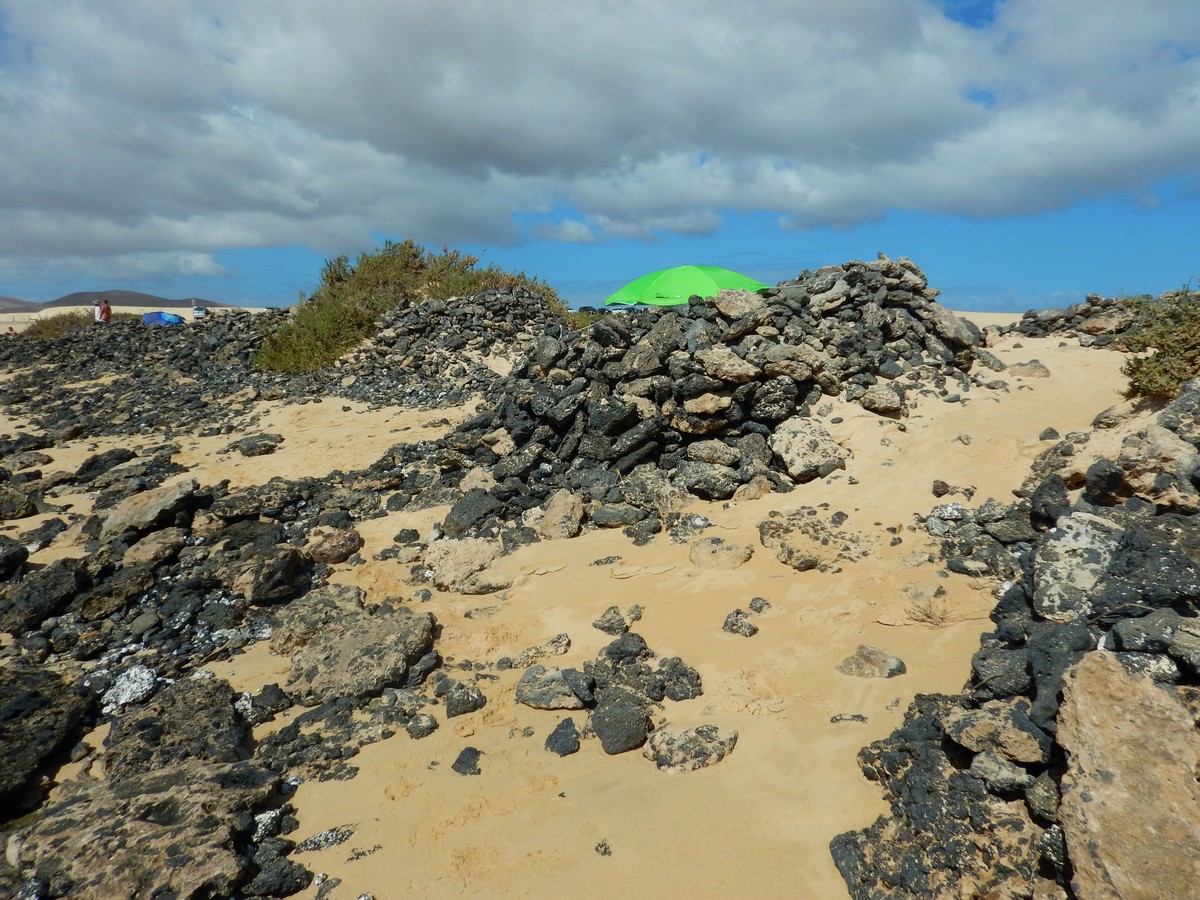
{"points": [[105, 312], [95, 312]]}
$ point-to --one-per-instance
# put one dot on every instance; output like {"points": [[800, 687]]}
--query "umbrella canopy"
{"points": [[667, 287]]}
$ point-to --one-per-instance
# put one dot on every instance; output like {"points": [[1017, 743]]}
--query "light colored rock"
{"points": [[333, 546], [735, 304], [458, 565], [1032, 369], [871, 662], [715, 553], [716, 452], [141, 511], [1130, 808], [555, 646], [707, 404], [880, 398], [721, 362], [563, 516], [1069, 563], [319, 610], [359, 656], [807, 449], [789, 360], [1149, 453], [831, 299], [1108, 322], [546, 688], [480, 477], [999, 725], [756, 487], [999, 773], [132, 686], [156, 547], [689, 749], [953, 328]]}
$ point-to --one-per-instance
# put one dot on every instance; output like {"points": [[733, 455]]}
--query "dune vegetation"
{"points": [[1166, 344], [49, 327], [344, 308]]}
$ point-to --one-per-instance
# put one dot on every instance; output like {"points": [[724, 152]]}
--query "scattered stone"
{"points": [[737, 622], [611, 622], [807, 449], [467, 762], [336, 547], [563, 516], [759, 605], [871, 662], [132, 686], [361, 656], [543, 688], [715, 553], [564, 739], [674, 750]]}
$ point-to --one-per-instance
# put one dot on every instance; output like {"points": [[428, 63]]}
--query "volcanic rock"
{"points": [[807, 449], [1132, 754], [685, 750], [360, 655], [715, 553], [39, 713], [871, 662]]}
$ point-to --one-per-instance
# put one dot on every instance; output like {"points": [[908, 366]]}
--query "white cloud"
{"points": [[568, 231], [167, 131]]}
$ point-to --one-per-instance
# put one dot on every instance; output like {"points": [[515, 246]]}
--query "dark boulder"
{"points": [[39, 715], [41, 594]]}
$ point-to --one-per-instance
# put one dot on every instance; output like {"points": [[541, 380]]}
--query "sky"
{"points": [[1024, 153]]}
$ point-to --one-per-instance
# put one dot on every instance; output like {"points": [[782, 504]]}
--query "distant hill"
{"points": [[123, 298], [13, 305]]}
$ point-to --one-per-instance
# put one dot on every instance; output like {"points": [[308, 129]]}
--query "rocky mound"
{"points": [[130, 378], [1073, 741], [1095, 321], [706, 398]]}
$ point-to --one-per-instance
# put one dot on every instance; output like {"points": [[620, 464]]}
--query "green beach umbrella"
{"points": [[668, 287]]}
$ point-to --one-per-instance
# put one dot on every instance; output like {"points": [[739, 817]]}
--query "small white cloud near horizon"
{"points": [[568, 231]]}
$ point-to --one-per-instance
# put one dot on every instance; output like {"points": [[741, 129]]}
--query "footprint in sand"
{"points": [[399, 789]]}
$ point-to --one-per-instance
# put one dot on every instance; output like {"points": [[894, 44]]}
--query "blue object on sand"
{"points": [[161, 318]]}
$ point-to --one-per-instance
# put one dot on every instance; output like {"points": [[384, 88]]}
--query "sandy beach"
{"points": [[759, 823]]}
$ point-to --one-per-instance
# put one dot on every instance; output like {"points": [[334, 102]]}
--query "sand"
{"points": [[759, 823], [19, 321]]}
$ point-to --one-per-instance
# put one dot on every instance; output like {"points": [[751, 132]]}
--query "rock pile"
{"points": [[424, 355], [1049, 772], [1096, 322], [715, 396]]}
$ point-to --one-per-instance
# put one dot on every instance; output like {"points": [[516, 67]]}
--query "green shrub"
{"points": [[49, 327], [351, 297], [1166, 340]]}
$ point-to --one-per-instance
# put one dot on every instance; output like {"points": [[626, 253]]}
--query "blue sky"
{"points": [[1025, 153]]}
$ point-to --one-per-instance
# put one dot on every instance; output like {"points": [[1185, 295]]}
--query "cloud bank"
{"points": [[146, 134]]}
